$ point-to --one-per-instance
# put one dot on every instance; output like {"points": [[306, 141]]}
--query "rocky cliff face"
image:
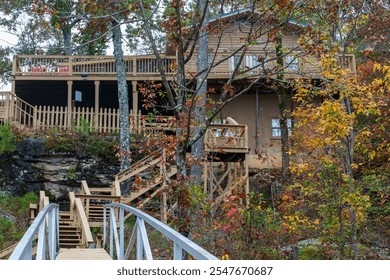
{"points": [[33, 168]]}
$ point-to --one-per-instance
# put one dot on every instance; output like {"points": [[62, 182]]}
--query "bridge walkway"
{"points": [[83, 254]]}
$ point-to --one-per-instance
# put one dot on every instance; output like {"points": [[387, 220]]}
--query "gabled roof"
{"points": [[242, 12], [230, 14]]}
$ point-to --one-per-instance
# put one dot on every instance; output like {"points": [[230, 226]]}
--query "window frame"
{"points": [[278, 128], [233, 62], [292, 62]]}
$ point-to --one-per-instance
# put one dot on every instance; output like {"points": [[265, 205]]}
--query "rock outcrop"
{"points": [[32, 168]]}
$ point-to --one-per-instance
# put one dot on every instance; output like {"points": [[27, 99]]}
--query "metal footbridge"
{"points": [[100, 224], [42, 239]]}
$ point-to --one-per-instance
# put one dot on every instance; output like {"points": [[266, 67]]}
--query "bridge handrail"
{"points": [[48, 236], [139, 236]]}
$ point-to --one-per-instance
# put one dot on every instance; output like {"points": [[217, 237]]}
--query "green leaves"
{"points": [[7, 139]]}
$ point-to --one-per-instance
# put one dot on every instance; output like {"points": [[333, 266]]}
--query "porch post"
{"points": [[97, 94], [135, 96], [11, 104], [69, 118], [7, 106], [247, 179]]}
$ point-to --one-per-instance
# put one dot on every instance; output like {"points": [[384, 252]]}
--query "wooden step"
{"points": [[68, 227], [69, 234], [70, 245], [66, 223], [149, 191], [76, 239]]}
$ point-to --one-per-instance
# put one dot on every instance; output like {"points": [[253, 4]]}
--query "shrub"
{"points": [[7, 139], [17, 207]]}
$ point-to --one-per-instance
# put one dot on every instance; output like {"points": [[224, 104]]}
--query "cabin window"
{"points": [[276, 132], [252, 62], [233, 61], [292, 62]]}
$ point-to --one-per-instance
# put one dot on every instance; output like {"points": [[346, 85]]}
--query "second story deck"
{"points": [[138, 68]]}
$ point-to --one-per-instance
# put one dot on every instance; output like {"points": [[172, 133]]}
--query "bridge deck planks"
{"points": [[83, 254]]}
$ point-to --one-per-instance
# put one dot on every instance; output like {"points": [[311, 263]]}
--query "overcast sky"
{"points": [[6, 39]]}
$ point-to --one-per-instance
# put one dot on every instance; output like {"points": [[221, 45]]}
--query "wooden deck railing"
{"points": [[49, 65], [223, 137], [146, 65], [25, 117], [103, 121]]}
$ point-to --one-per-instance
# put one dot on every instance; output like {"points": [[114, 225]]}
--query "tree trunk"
{"points": [[353, 233], [197, 149], [67, 36], [122, 97], [282, 98]]}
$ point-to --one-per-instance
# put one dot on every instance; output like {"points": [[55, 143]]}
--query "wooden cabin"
{"points": [[54, 91]]}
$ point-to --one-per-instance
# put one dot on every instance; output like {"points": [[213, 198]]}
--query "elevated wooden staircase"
{"points": [[16, 112], [70, 233], [148, 179], [143, 190]]}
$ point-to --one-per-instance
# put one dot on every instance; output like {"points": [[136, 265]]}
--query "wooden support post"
{"points": [[35, 118], [7, 108], [97, 94], [247, 179], [134, 69], [164, 207], [205, 175], [163, 198], [12, 102], [69, 122], [135, 96]]}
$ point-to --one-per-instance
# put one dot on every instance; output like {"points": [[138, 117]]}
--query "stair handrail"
{"points": [[15, 99], [6, 252], [46, 225], [139, 236], [78, 215], [43, 200], [121, 176]]}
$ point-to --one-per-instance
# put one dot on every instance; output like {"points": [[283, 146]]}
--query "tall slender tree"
{"points": [[199, 108]]}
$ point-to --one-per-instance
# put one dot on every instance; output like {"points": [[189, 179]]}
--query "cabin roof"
{"points": [[243, 12]]}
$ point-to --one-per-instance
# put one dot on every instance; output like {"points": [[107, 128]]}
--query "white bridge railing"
{"points": [[47, 226], [139, 237]]}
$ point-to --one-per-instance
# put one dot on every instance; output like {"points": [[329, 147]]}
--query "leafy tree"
{"points": [[5, 65], [63, 15], [326, 136]]}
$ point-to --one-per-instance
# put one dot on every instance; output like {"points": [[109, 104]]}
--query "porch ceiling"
{"points": [[41, 92]]}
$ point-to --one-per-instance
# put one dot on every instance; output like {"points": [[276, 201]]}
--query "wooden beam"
{"points": [[135, 96], [164, 207], [247, 180], [97, 94], [98, 196], [70, 85]]}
